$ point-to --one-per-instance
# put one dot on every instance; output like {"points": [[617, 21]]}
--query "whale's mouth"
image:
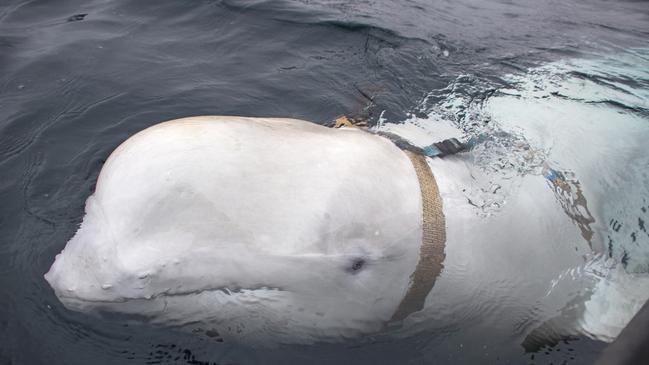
{"points": [[225, 290]]}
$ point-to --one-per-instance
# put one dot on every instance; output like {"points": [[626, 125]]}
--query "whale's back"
{"points": [[252, 178]]}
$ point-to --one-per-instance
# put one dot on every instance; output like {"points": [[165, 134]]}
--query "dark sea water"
{"points": [[79, 77]]}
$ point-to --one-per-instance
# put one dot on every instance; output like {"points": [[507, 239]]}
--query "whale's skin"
{"points": [[255, 228]]}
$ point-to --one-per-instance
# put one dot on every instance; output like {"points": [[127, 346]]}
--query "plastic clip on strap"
{"points": [[452, 146]]}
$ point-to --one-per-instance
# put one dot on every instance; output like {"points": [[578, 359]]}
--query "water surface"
{"points": [[78, 77]]}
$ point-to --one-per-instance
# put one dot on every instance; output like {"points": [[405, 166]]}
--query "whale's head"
{"points": [[348, 283], [295, 253]]}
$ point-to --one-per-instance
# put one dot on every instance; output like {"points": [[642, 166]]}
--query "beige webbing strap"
{"points": [[431, 252]]}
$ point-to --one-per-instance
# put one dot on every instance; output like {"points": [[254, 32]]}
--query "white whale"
{"points": [[281, 230], [278, 225]]}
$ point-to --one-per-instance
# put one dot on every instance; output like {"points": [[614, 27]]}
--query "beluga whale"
{"points": [[272, 230]]}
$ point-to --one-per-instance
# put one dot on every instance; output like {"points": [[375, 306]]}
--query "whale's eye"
{"points": [[356, 265]]}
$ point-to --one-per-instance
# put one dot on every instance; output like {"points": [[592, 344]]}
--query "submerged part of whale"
{"points": [[280, 230]]}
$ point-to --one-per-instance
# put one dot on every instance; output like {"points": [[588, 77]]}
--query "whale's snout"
{"points": [[83, 274], [57, 279], [75, 287]]}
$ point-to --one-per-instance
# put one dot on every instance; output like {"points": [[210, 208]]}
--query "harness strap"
{"points": [[433, 243], [431, 251]]}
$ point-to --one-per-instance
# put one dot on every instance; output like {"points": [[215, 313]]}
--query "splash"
{"points": [[583, 125], [584, 120]]}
